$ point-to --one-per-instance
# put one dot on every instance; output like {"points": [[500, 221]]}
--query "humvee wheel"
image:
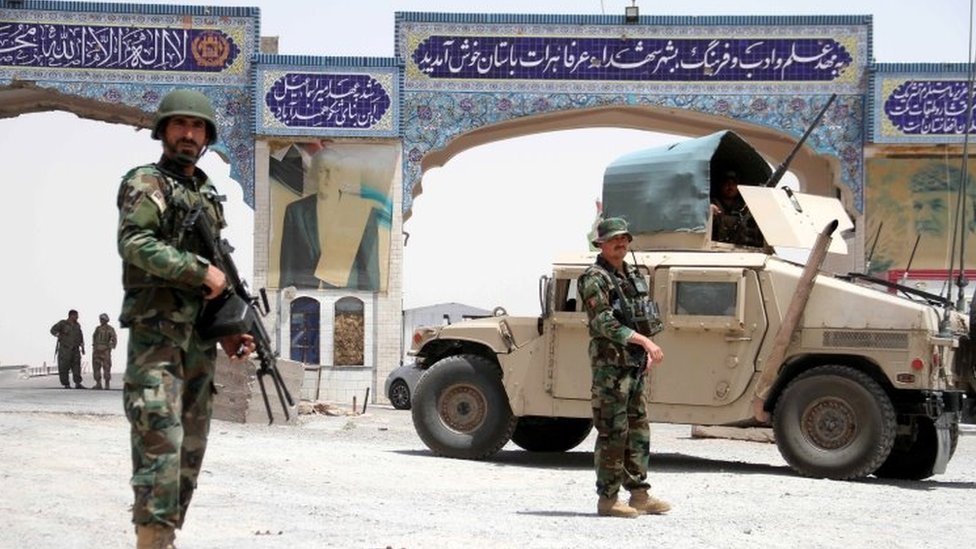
{"points": [[551, 434], [913, 455], [834, 422], [460, 408]]}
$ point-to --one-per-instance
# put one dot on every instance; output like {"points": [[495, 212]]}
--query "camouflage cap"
{"points": [[609, 228]]}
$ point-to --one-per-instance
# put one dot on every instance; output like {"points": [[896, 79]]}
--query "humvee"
{"points": [[856, 376]]}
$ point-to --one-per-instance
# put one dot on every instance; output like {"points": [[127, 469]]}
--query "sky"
{"points": [[485, 229]]}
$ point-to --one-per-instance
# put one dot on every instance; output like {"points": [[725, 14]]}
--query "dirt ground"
{"points": [[368, 481]]}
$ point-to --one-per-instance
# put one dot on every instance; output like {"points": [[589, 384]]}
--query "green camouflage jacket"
{"points": [[69, 334], [163, 266], [604, 311]]}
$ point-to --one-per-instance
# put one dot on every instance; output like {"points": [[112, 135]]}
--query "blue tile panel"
{"points": [[309, 100], [666, 59], [133, 54], [927, 107], [58, 45], [103, 47], [920, 103]]}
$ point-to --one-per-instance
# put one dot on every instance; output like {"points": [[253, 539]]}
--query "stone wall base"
{"points": [[238, 397]]}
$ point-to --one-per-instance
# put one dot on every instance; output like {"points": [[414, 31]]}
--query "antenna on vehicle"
{"points": [[904, 275], [877, 236], [959, 227]]}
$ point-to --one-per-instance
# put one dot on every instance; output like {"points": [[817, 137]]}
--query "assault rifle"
{"points": [[235, 311]]}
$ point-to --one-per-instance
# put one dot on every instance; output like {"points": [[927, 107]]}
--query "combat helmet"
{"points": [[186, 103], [103, 317], [609, 228]]}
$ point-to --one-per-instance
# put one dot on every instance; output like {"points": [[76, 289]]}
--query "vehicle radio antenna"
{"points": [[959, 227]]}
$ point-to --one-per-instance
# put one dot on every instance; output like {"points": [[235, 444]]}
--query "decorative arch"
{"points": [[113, 62], [774, 144]]}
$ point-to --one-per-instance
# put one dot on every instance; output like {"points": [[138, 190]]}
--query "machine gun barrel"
{"points": [[781, 169], [198, 220]]}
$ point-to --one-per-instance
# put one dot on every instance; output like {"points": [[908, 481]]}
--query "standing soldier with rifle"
{"points": [[168, 276], [70, 347], [621, 321]]}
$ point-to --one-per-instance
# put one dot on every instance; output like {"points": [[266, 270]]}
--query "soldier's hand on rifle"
{"points": [[215, 282], [238, 346]]}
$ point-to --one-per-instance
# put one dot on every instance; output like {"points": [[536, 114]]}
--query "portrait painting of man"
{"points": [[337, 234], [916, 198]]}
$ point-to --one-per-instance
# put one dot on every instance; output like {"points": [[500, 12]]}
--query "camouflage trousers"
{"points": [[622, 447], [168, 399], [69, 361], [102, 364]]}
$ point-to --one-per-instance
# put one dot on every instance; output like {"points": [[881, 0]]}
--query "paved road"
{"points": [[368, 482]]}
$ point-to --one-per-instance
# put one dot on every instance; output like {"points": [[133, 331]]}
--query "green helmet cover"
{"points": [[185, 103]]}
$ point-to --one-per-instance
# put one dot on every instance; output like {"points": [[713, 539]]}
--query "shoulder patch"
{"points": [[157, 197]]}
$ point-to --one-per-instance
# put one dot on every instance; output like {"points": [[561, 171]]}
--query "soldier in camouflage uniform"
{"points": [[610, 291], [731, 220], [103, 342], [166, 276], [71, 345]]}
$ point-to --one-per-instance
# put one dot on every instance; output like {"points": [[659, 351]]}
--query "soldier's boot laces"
{"points": [[613, 507], [155, 536], [646, 504]]}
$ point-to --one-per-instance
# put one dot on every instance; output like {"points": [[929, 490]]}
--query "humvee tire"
{"points": [[551, 434], [834, 422], [913, 455], [460, 409]]}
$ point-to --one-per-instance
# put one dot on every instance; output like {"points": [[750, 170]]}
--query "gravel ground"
{"points": [[367, 481]]}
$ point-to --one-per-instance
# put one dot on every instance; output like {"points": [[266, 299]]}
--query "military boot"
{"points": [[612, 507], [155, 536], [646, 504], [106, 385], [98, 385]]}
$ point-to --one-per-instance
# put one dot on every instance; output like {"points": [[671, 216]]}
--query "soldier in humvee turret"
{"points": [[731, 220]]}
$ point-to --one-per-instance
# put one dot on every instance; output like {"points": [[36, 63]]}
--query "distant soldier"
{"points": [[103, 342], [732, 222], [70, 347]]}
